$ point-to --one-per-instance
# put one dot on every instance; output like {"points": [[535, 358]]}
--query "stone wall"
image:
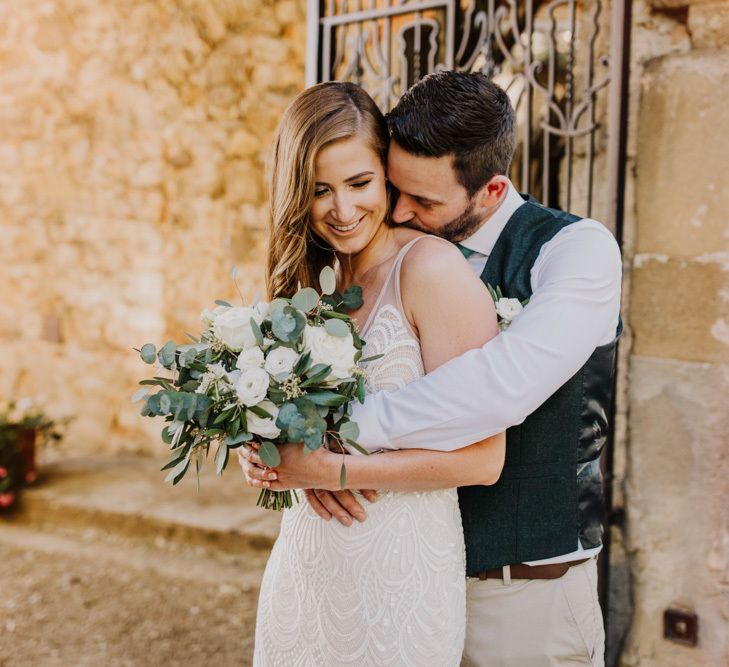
{"points": [[676, 467], [133, 139]]}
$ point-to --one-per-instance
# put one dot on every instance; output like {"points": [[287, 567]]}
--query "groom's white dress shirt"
{"points": [[574, 308]]}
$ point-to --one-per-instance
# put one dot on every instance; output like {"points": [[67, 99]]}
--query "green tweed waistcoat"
{"points": [[549, 494]]}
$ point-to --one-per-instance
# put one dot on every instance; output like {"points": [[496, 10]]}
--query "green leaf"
{"points": [[148, 353], [278, 304], [178, 472], [372, 358], [360, 389], [287, 324], [192, 338], [321, 374], [239, 439], [302, 422], [260, 412], [257, 332], [343, 477], [165, 403], [352, 298], [140, 394], [172, 462], [492, 292], [302, 365], [334, 315], [269, 454], [305, 299], [337, 328], [166, 355], [220, 302], [329, 398], [327, 280], [221, 458], [358, 447], [349, 430], [223, 416]]}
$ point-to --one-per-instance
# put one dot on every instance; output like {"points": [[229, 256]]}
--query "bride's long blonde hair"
{"points": [[318, 116]]}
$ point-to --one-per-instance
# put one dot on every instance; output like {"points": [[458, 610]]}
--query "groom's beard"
{"points": [[456, 230]]}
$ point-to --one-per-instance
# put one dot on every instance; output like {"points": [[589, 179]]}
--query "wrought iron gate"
{"points": [[562, 62]]}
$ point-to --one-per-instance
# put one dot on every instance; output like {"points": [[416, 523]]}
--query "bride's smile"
{"points": [[350, 197]]}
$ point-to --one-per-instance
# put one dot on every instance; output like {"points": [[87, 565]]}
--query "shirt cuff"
{"points": [[372, 436]]}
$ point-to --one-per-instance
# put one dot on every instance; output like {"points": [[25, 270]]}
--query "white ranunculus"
{"points": [[281, 360], [266, 428], [251, 357], [508, 309], [335, 351], [209, 316], [252, 386], [233, 327]]}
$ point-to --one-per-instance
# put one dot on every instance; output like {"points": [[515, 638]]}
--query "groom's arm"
{"points": [[574, 309]]}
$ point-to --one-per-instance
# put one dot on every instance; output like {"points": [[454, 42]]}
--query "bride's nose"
{"points": [[344, 209]]}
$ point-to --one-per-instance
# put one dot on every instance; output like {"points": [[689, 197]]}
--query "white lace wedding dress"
{"points": [[389, 591]]}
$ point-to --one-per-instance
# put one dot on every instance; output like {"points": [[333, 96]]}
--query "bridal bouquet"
{"points": [[264, 373]]}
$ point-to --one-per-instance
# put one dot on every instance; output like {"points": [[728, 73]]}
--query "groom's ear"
{"points": [[492, 192]]}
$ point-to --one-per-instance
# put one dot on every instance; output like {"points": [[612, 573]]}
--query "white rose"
{"points": [[233, 327], [281, 360], [262, 308], [250, 358], [335, 351], [252, 386], [508, 309], [209, 316], [266, 428]]}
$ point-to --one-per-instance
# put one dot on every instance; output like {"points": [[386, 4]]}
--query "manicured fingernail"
{"points": [[346, 520], [360, 516], [271, 475]]}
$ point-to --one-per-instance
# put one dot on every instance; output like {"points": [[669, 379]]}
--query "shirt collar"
{"points": [[484, 240]]}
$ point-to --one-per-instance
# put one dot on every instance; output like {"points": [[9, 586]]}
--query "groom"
{"points": [[532, 538]]}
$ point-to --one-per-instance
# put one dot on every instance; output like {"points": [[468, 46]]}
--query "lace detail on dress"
{"points": [[402, 363], [386, 592]]}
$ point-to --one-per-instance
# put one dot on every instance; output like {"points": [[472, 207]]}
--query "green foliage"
{"points": [[327, 280]]}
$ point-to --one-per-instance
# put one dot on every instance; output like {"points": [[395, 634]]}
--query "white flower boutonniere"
{"points": [[506, 308]]}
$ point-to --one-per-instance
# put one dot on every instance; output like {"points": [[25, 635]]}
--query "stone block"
{"points": [[708, 23], [682, 171], [678, 529], [679, 308]]}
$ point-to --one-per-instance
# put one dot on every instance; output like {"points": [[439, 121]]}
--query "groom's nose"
{"points": [[402, 211]]}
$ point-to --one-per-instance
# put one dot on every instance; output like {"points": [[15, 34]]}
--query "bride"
{"points": [[389, 590]]}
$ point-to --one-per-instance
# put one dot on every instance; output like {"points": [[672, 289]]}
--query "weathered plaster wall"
{"points": [[676, 467], [133, 137]]}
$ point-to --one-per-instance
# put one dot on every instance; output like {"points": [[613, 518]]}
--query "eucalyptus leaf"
{"points": [[257, 332], [327, 280], [148, 353], [352, 298], [140, 394], [220, 302], [269, 454], [349, 430], [287, 324], [239, 439], [358, 447], [166, 355], [337, 328], [305, 299], [221, 458]]}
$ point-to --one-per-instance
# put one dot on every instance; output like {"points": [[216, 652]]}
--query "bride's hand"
{"points": [[317, 469]]}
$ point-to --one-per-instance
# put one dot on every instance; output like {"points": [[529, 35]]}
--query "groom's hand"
{"points": [[342, 505]]}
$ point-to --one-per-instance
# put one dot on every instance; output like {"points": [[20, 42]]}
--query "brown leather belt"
{"points": [[524, 571]]}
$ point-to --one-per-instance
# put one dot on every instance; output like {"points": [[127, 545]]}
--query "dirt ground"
{"points": [[88, 599]]}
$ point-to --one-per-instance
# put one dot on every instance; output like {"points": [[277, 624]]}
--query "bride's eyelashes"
{"points": [[359, 185]]}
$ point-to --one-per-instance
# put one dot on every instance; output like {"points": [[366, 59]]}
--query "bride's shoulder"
{"points": [[429, 255]]}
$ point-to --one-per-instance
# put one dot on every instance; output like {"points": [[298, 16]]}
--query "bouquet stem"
{"points": [[276, 500]]}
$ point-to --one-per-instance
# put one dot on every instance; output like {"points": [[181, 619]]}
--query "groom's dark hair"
{"points": [[463, 114]]}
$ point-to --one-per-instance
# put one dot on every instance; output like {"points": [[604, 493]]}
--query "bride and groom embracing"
{"points": [[480, 545]]}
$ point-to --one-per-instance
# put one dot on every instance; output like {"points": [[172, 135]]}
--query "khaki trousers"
{"points": [[535, 622]]}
